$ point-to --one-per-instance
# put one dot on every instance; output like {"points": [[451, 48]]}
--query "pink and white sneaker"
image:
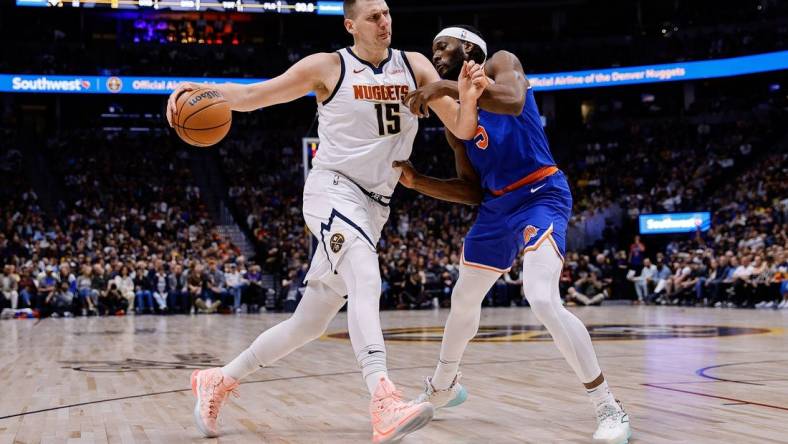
{"points": [[393, 418], [211, 388]]}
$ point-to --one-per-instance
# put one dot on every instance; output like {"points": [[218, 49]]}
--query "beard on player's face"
{"points": [[453, 65], [447, 57]]}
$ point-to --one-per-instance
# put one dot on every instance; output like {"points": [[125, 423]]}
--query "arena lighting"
{"points": [[672, 72], [280, 7]]}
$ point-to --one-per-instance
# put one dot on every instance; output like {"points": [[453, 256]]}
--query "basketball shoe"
{"points": [[449, 397], [393, 418], [211, 388], [613, 424]]}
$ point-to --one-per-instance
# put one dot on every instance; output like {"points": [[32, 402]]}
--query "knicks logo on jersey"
{"points": [[380, 93], [529, 233], [481, 139]]}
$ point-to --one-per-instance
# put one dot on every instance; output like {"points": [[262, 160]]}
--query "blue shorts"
{"points": [[521, 219]]}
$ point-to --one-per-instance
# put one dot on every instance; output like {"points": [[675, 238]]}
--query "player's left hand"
{"points": [[418, 100], [472, 81], [409, 173]]}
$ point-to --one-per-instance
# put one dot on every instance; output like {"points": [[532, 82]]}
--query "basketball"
{"points": [[204, 117]]}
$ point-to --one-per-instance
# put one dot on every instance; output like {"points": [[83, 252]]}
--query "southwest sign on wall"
{"points": [[674, 223]]}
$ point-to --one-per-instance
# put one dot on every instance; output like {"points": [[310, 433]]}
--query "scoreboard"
{"points": [[279, 7]]}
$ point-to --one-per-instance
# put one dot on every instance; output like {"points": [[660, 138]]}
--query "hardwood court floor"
{"points": [[125, 380]]}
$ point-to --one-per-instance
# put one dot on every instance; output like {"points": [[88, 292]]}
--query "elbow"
{"points": [[514, 107], [474, 196], [465, 133]]}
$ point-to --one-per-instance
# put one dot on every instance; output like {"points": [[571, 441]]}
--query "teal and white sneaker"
{"points": [[450, 397], [613, 424]]}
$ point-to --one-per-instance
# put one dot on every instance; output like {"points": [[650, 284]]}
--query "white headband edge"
{"points": [[464, 35]]}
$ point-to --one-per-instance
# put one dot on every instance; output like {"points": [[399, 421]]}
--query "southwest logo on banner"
{"points": [[47, 84]]}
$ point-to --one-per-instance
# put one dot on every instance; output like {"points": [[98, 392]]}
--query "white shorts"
{"points": [[338, 214]]}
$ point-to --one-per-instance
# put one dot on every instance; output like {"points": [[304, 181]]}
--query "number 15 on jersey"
{"points": [[388, 118]]}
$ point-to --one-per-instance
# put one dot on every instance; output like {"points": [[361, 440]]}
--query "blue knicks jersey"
{"points": [[508, 148]]}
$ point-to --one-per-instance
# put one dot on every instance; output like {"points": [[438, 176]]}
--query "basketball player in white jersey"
{"points": [[363, 129]]}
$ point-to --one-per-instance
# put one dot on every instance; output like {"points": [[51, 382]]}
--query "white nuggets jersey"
{"points": [[364, 127]]}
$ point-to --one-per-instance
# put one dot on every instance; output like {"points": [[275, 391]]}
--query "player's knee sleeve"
{"points": [[466, 298], [541, 269], [318, 308], [361, 271], [471, 288]]}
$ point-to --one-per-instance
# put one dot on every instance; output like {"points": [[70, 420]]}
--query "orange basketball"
{"points": [[203, 118]]}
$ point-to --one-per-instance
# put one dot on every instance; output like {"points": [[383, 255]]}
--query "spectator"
{"points": [[85, 293], [28, 289], [143, 289], [161, 290], [412, 295], [235, 284], [125, 284], [179, 294], [588, 290], [59, 302], [112, 302], [637, 251], [646, 280], [47, 285], [9, 288], [216, 284]]}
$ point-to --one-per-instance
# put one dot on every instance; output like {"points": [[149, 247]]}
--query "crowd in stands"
{"points": [[129, 232], [674, 165], [742, 261]]}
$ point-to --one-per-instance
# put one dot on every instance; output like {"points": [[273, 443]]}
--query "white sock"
{"points": [[372, 360], [243, 365], [444, 374], [601, 395]]}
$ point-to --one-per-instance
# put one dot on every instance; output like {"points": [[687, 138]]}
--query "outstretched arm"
{"points": [[504, 95], [461, 119], [308, 74], [464, 189]]}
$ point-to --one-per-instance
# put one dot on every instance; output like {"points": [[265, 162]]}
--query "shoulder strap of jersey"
{"points": [[341, 78], [410, 69]]}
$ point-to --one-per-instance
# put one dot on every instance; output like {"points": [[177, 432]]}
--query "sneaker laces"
{"points": [[428, 387], [393, 398], [431, 388], [215, 402], [608, 412]]}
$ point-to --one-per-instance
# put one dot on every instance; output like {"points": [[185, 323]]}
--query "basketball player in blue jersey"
{"points": [[525, 205]]}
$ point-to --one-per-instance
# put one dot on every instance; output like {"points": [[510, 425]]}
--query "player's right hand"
{"points": [[409, 173], [172, 107], [418, 100]]}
